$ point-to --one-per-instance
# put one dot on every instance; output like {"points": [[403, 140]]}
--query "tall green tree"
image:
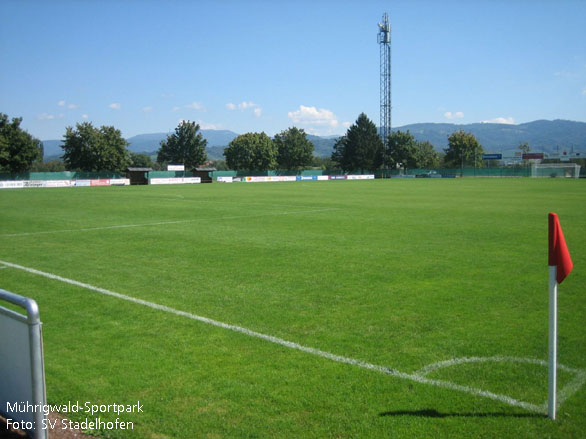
{"points": [[294, 150], [361, 148], [186, 146], [463, 149], [87, 148], [140, 160], [410, 153], [426, 156], [18, 149], [401, 149], [251, 152]]}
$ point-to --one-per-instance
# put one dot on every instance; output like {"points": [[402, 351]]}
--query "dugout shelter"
{"points": [[138, 175]]}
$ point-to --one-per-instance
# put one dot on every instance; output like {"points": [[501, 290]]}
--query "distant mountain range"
{"points": [[542, 135]]}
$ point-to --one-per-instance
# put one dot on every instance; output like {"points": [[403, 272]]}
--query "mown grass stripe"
{"points": [[292, 345], [164, 223]]}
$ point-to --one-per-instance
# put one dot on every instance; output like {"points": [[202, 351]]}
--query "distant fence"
{"points": [[387, 173], [65, 175], [459, 172], [379, 173]]}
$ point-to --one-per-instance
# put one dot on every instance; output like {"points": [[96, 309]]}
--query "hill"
{"points": [[149, 143], [542, 135]]}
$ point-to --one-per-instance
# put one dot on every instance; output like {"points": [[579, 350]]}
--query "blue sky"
{"points": [[143, 66]]}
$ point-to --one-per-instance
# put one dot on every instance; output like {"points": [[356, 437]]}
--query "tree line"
{"points": [[89, 148]]}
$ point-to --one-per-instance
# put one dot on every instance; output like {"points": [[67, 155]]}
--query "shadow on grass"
{"points": [[431, 413]]}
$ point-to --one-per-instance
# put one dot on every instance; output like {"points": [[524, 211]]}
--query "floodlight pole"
{"points": [[552, 363], [384, 40]]}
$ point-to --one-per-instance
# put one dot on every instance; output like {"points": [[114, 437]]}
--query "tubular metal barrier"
{"points": [[22, 374]]}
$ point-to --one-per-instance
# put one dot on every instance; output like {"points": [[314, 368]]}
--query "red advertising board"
{"points": [[100, 182]]}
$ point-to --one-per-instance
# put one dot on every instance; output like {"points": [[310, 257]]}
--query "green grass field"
{"points": [[401, 274]]}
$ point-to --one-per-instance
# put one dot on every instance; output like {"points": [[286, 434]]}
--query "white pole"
{"points": [[552, 375]]}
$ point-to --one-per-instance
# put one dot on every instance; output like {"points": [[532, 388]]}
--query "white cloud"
{"points": [[84, 116], [202, 125], [241, 106], [195, 106], [452, 116], [147, 109], [246, 105], [115, 106], [346, 124], [313, 116], [63, 103], [47, 116], [584, 91], [209, 126], [504, 120]]}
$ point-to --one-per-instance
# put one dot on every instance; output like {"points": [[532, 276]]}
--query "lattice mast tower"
{"points": [[384, 40]]}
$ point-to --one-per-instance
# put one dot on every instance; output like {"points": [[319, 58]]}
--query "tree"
{"points": [[524, 147], [50, 166], [252, 152], [361, 148], [402, 149], [90, 149], [18, 149], [186, 146], [426, 156], [140, 160], [323, 163], [294, 151], [463, 149]]}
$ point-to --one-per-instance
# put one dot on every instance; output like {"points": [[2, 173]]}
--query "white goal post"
{"points": [[555, 170]]}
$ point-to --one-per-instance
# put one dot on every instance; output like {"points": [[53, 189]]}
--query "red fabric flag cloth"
{"points": [[558, 250]]}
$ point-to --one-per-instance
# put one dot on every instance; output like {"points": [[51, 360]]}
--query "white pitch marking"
{"points": [[441, 364], [563, 394], [162, 223], [293, 345]]}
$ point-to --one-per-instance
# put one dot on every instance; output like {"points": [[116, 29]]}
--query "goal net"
{"points": [[555, 170]]}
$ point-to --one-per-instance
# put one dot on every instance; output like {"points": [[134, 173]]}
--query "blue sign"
{"points": [[492, 156]]}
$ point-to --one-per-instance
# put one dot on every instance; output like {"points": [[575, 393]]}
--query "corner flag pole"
{"points": [[560, 265], [553, 342]]}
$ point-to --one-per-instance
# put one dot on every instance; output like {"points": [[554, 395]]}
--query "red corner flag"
{"points": [[558, 250]]}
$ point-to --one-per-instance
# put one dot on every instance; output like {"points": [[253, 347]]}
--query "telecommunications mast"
{"points": [[384, 39]]}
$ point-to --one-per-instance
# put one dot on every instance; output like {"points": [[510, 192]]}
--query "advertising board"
{"points": [[183, 180]]}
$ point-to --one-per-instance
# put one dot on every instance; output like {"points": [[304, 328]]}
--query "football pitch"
{"points": [[397, 308]]}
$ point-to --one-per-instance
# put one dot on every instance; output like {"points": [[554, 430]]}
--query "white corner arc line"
{"points": [[571, 387], [292, 345], [164, 223]]}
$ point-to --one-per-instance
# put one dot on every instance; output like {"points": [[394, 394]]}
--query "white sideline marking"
{"points": [[162, 223], [417, 377]]}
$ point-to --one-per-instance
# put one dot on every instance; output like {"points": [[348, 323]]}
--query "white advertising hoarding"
{"points": [[179, 180]]}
